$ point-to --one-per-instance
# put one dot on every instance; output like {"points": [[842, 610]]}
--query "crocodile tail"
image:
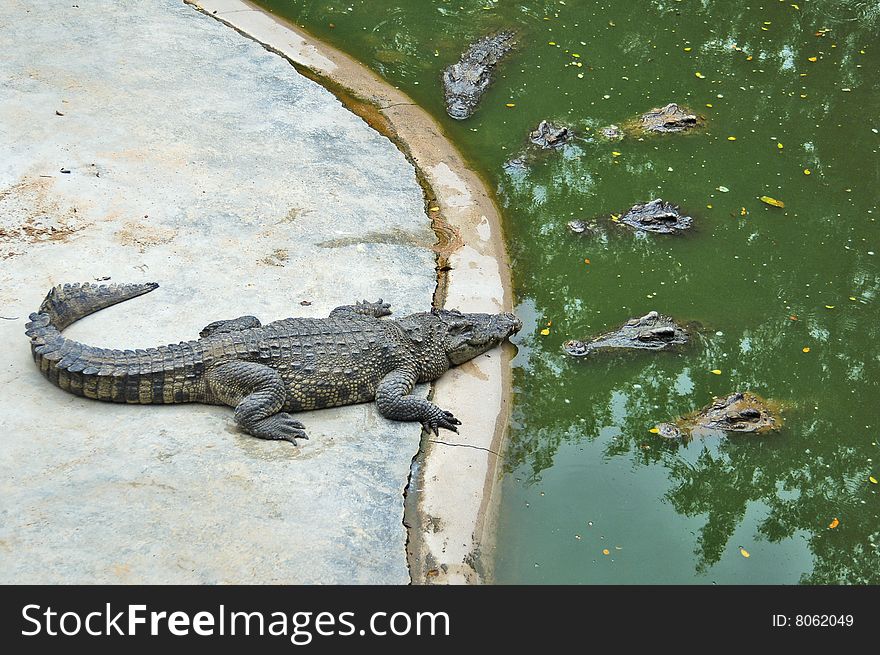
{"points": [[67, 303], [124, 376]]}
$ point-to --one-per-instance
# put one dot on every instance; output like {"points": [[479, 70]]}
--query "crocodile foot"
{"points": [[440, 419], [279, 427]]}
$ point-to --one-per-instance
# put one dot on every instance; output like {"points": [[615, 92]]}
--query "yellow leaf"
{"points": [[833, 524], [873, 479], [545, 331], [807, 171], [744, 552], [806, 349], [812, 58], [434, 209], [614, 153], [657, 431], [796, 7], [780, 146], [709, 206], [574, 54], [852, 297], [551, 42], [687, 49], [709, 105], [510, 104], [829, 306], [772, 201], [742, 211], [586, 261], [731, 138], [605, 551], [700, 75], [749, 58], [716, 371]]}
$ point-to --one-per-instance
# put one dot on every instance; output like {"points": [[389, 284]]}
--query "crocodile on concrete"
{"points": [[267, 372], [465, 81], [652, 331]]}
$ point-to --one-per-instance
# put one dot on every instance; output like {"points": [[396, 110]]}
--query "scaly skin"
{"points": [[266, 372], [466, 80]]}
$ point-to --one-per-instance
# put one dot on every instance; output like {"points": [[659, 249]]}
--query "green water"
{"points": [[582, 472]]}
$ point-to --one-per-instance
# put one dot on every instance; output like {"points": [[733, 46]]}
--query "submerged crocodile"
{"points": [[669, 119], [656, 216], [652, 331], [268, 371], [466, 80], [548, 135], [738, 412]]}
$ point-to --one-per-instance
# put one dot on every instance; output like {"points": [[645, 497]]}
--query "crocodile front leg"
{"points": [[376, 309], [395, 402], [258, 393], [233, 325]]}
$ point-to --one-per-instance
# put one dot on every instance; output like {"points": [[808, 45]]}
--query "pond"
{"points": [[786, 297]]}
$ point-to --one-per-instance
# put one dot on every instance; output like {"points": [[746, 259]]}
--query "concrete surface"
{"points": [[199, 160], [453, 493]]}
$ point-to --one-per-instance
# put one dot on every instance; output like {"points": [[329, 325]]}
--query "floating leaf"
{"points": [[872, 479], [780, 146], [614, 153], [605, 551], [793, 317], [586, 261], [545, 331], [812, 58], [834, 523], [700, 75], [742, 211], [744, 552], [716, 371], [852, 297], [723, 189], [806, 349], [657, 431], [687, 49], [731, 138], [510, 104], [829, 306], [772, 201], [807, 171]]}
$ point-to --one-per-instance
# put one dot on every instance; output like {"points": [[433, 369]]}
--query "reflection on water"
{"points": [[786, 297]]}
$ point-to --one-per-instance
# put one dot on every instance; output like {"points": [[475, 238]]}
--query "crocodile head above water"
{"points": [[742, 411], [652, 331], [464, 336]]}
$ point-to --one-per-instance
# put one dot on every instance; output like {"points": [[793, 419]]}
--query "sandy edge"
{"points": [[455, 475]]}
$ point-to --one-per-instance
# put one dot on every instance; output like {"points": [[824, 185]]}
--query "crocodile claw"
{"points": [[280, 427], [442, 420]]}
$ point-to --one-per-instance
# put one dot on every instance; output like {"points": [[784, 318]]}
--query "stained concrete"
{"points": [[453, 495], [199, 160]]}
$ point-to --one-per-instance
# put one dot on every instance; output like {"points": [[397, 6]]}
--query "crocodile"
{"points": [[742, 411], [267, 372], [652, 331], [465, 81], [548, 135], [656, 216], [668, 119]]}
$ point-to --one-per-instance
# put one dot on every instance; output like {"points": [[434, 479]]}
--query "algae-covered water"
{"points": [[787, 297]]}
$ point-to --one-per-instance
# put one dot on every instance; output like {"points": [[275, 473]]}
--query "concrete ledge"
{"points": [[145, 141], [455, 476]]}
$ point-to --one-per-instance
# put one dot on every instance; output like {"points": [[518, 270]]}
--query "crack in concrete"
{"points": [[464, 445]]}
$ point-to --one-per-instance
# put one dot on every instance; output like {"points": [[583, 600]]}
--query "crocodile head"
{"points": [[469, 335]]}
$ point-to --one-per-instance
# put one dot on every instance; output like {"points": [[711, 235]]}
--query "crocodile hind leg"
{"points": [[394, 401], [232, 325], [376, 309], [257, 393]]}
